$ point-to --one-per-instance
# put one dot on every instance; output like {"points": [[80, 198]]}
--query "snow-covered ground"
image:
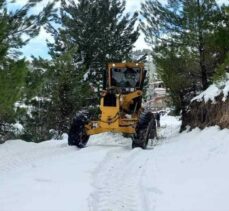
{"points": [[185, 172]]}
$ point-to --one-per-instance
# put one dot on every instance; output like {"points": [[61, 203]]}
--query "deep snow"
{"points": [[185, 171]]}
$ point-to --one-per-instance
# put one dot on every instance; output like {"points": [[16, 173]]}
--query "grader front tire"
{"points": [[77, 135], [143, 130]]}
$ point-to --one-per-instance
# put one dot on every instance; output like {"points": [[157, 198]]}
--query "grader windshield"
{"points": [[125, 77]]}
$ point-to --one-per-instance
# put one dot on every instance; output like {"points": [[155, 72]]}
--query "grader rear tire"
{"points": [[77, 135], [143, 130]]}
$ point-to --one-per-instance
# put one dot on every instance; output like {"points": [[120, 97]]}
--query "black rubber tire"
{"points": [[153, 129], [77, 135], [143, 129]]}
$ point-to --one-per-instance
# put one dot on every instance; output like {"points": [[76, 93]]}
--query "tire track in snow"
{"points": [[118, 182]]}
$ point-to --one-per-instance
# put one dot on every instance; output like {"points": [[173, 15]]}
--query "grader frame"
{"points": [[120, 106]]}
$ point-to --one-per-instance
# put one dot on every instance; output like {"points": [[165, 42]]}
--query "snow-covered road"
{"points": [[185, 172]]}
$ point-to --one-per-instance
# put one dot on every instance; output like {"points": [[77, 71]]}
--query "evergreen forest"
{"points": [[189, 41]]}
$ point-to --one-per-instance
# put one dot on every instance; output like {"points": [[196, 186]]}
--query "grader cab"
{"points": [[121, 108]]}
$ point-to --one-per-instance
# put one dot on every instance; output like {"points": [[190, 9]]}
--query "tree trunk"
{"points": [[201, 49], [203, 68]]}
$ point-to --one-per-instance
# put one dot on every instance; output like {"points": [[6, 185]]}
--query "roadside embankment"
{"points": [[210, 108]]}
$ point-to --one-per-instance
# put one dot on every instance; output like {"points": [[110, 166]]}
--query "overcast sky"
{"points": [[37, 46]]}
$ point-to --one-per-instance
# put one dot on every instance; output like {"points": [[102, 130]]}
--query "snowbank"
{"points": [[46, 176], [209, 94], [189, 172], [213, 91], [209, 108]]}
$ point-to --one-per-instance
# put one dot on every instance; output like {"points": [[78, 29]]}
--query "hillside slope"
{"points": [[185, 171]]}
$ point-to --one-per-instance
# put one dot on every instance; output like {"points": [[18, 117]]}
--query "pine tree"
{"points": [[181, 33], [187, 23], [58, 92], [69, 92], [177, 70], [12, 76], [36, 101], [101, 32], [13, 70], [220, 43]]}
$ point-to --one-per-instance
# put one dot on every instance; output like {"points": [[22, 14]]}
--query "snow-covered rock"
{"points": [[209, 94], [213, 91], [210, 107]]}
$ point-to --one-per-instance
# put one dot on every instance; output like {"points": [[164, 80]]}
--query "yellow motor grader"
{"points": [[121, 108]]}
